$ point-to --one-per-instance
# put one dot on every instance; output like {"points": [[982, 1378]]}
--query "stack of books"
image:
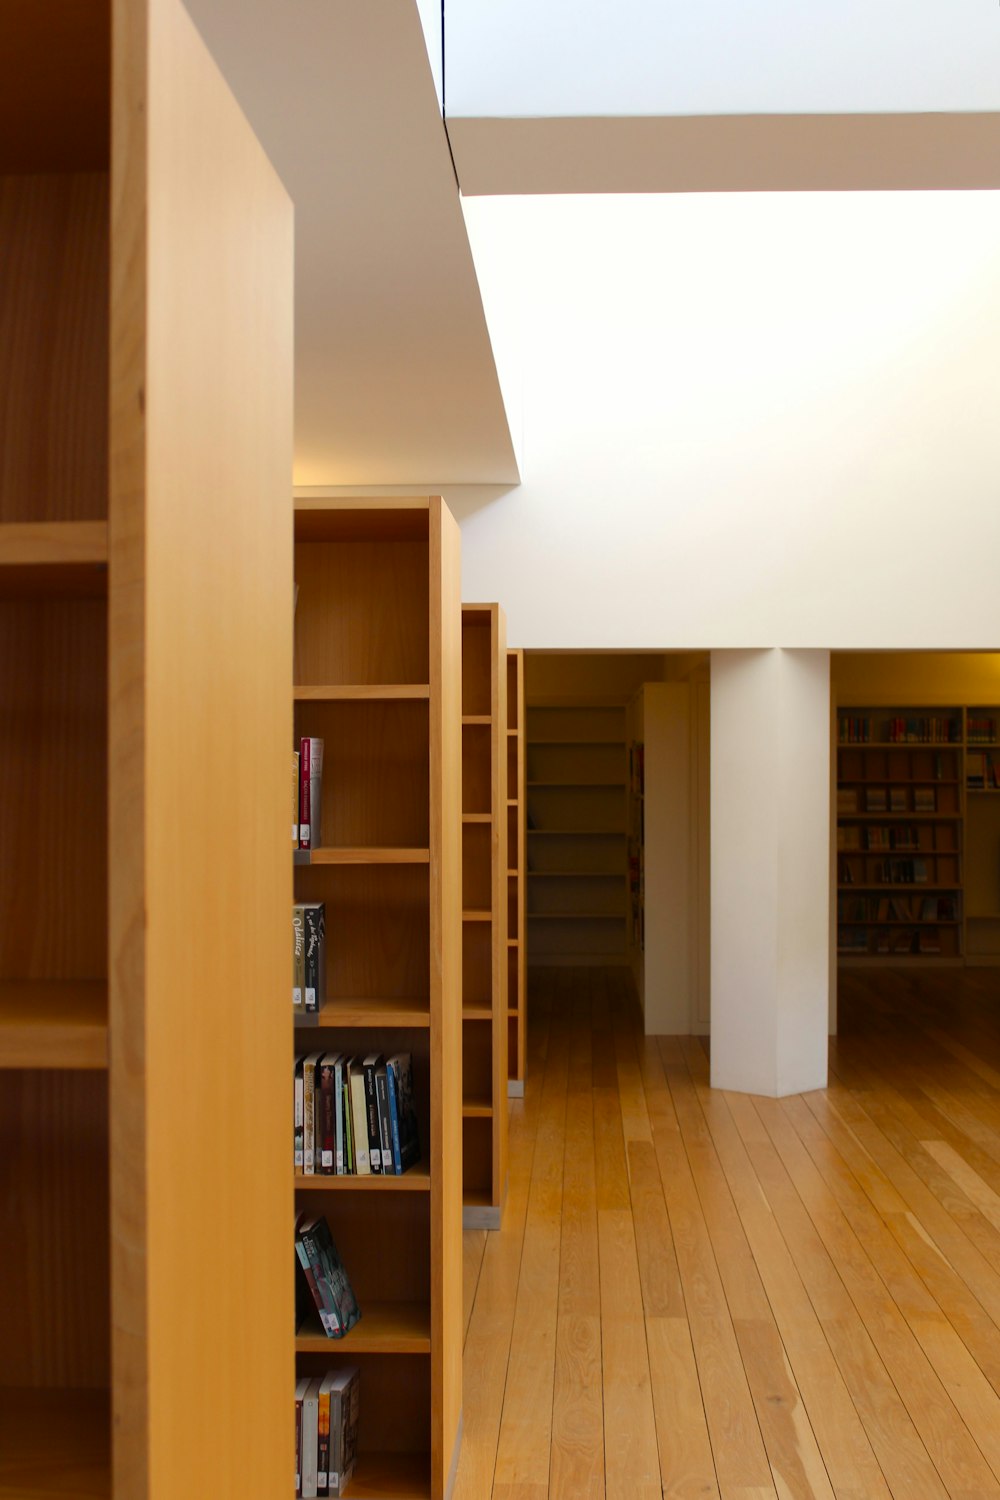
{"points": [[326, 1431], [354, 1116]]}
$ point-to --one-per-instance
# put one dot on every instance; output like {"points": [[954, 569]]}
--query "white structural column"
{"points": [[770, 799]]}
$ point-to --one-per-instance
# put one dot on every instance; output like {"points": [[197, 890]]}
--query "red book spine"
{"points": [[329, 1120], [304, 829]]}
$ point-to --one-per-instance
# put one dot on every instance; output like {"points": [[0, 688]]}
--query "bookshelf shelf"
{"points": [[43, 1458], [378, 674], [54, 1024], [477, 1109], [577, 833], [55, 559], [361, 856], [575, 915], [574, 786], [486, 911], [383, 1328], [354, 692], [416, 1180]]}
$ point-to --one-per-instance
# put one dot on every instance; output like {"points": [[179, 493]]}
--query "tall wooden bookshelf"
{"points": [[517, 885], [485, 898], [145, 569], [378, 677], [576, 789]]}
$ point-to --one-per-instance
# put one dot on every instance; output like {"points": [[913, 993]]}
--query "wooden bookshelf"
{"points": [[576, 832], [145, 383], [378, 615], [517, 885], [485, 897], [900, 834]]}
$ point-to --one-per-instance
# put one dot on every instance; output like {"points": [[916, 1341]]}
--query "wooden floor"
{"points": [[708, 1294]]}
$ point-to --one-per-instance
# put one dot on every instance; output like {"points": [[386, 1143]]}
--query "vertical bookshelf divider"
{"points": [[378, 677], [517, 885], [485, 897]]}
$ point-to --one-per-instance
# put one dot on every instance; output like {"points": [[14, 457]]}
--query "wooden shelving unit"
{"points": [[576, 830], [900, 823], [146, 303], [517, 884], [485, 914], [378, 615]]}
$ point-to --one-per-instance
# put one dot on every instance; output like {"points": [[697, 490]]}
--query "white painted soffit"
{"points": [[726, 153], [395, 377]]}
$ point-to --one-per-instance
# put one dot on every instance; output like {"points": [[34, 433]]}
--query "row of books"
{"points": [[308, 956], [980, 729], [887, 872], [982, 772], [922, 940], [327, 1408], [307, 794], [886, 799], [874, 836], [323, 1283], [897, 909], [899, 729], [354, 1116]]}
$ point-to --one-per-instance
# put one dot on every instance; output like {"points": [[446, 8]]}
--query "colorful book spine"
{"points": [[298, 957], [339, 1166], [299, 1096], [310, 792], [309, 1114], [323, 1438], [295, 799], [385, 1128], [359, 1117], [390, 1081], [327, 1114], [371, 1065]]}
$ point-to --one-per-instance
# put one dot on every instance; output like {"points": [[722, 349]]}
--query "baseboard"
{"points": [[474, 1217], [453, 1467], [515, 1088]]}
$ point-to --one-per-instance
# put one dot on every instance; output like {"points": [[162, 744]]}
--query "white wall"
{"points": [[649, 57], [748, 420]]}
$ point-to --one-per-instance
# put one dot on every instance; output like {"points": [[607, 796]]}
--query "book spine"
{"points": [[329, 1311], [359, 1121], [296, 774], [299, 1114], [323, 1444], [315, 939], [328, 1116], [390, 1079], [302, 1251], [309, 1116], [371, 1114], [298, 1445], [298, 956], [309, 1445], [304, 827], [334, 1484], [385, 1129], [315, 792], [349, 1167], [338, 1100]]}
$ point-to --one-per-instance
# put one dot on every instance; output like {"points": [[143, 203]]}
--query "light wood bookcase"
{"points": [[517, 885], [484, 914], [145, 579], [378, 677], [576, 832]]}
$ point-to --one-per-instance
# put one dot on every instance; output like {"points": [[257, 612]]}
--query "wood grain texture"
{"points": [[200, 602], [43, 1459], [54, 1024], [517, 998], [55, 104]]}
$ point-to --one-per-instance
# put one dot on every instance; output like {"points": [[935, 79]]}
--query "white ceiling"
{"points": [[395, 376]]}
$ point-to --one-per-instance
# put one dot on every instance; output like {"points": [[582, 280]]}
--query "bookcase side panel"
{"points": [[498, 709], [201, 881]]}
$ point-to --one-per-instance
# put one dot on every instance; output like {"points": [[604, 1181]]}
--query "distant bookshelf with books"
{"points": [[375, 1093]]}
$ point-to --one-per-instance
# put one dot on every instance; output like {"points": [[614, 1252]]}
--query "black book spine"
{"points": [[371, 1102], [384, 1124]]}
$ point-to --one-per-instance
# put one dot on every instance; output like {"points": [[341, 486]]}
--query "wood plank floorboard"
{"points": [[710, 1296]]}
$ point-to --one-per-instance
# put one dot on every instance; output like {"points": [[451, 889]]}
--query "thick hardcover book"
{"points": [[298, 956], [314, 986], [409, 1138], [295, 799], [372, 1064], [384, 1123], [359, 1117], [299, 1113], [338, 1309], [345, 1406], [300, 1391], [327, 1113], [310, 1441], [311, 792]]}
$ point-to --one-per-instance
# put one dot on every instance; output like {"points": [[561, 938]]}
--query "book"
{"points": [[345, 1407], [371, 1065], [332, 1291], [359, 1116], [401, 1100], [295, 799], [300, 1391], [339, 1157], [345, 1092], [323, 1435], [299, 1095], [309, 1113], [310, 1416], [310, 792], [314, 958], [384, 1123], [298, 957], [326, 1113]]}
